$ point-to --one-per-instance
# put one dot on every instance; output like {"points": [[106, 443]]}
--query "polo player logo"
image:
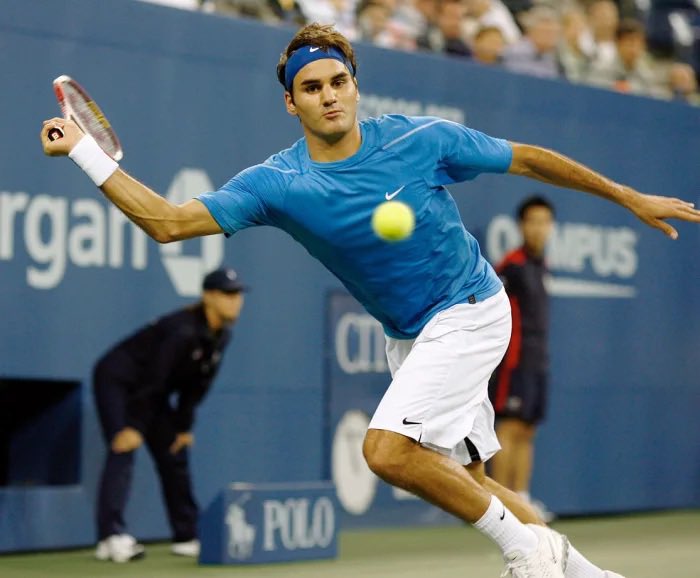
{"points": [[241, 533]]}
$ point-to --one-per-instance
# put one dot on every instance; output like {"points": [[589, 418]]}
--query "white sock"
{"points": [[580, 567], [499, 524]]}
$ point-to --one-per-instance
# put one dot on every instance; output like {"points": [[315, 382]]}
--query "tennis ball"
{"points": [[393, 221]]}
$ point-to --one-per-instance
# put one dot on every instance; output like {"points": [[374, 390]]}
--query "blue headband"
{"points": [[306, 54]]}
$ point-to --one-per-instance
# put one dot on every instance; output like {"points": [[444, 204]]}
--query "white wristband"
{"points": [[96, 163]]}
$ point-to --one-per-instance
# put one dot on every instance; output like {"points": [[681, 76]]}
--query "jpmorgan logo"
{"points": [[187, 271], [50, 233], [54, 232], [585, 260]]}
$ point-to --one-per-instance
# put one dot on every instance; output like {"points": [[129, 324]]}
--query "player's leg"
{"points": [[520, 507], [438, 479], [115, 481], [176, 483], [437, 395], [444, 482], [577, 566]]}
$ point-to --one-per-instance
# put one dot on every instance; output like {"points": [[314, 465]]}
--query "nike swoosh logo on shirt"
{"points": [[406, 422], [390, 196]]}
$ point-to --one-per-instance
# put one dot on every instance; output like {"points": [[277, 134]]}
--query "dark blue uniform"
{"points": [[176, 356], [518, 387]]}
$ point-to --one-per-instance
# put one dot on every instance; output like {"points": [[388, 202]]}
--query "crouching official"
{"points": [[146, 390]]}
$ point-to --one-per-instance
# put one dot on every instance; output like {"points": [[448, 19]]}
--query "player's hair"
{"points": [[315, 34], [533, 201]]}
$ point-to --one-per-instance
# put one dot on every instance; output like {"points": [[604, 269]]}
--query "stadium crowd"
{"points": [[602, 43]]}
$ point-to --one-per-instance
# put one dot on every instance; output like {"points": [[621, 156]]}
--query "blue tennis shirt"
{"points": [[327, 207]]}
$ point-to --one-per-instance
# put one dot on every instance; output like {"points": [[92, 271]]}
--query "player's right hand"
{"points": [[62, 146], [126, 440]]}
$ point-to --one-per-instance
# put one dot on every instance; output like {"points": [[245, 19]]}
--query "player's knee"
{"points": [[387, 453]]}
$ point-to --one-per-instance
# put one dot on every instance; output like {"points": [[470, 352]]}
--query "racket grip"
{"points": [[55, 133]]}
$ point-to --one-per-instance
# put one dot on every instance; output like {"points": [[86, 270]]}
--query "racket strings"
{"points": [[91, 120]]}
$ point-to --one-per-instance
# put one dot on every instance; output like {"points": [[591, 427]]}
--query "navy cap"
{"points": [[224, 279]]}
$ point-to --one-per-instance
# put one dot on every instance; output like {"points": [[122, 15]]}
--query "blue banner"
{"points": [[261, 523]]}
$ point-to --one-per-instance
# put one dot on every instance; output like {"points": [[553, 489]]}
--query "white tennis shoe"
{"points": [[190, 548], [119, 548], [547, 561]]}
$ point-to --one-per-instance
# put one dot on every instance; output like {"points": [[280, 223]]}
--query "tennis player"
{"points": [[444, 311]]}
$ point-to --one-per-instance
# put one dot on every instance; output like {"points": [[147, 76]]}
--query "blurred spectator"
{"points": [[603, 19], [269, 11], [287, 11], [519, 7], [482, 13], [574, 53], [535, 53], [448, 37], [683, 84], [417, 17], [372, 19], [670, 25], [341, 13], [376, 24], [630, 70], [184, 4], [488, 45]]}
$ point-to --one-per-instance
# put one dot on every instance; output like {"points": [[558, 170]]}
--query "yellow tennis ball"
{"points": [[393, 221]]}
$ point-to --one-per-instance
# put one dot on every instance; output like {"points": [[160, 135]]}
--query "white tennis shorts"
{"points": [[439, 392]]}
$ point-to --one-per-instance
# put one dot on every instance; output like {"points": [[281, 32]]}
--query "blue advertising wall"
{"points": [[194, 100]]}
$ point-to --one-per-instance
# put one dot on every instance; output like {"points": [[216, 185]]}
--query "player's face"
{"points": [[536, 228], [325, 99]]}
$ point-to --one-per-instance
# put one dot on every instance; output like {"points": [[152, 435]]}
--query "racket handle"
{"points": [[55, 134]]}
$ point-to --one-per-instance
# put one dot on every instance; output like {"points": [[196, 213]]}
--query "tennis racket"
{"points": [[77, 106]]}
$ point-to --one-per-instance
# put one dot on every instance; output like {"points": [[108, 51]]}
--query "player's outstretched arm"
{"points": [[160, 219], [556, 169]]}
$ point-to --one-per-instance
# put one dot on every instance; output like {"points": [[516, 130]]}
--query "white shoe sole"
{"points": [[138, 553]]}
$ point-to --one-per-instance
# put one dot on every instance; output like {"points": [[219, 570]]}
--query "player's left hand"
{"points": [[654, 211], [182, 440]]}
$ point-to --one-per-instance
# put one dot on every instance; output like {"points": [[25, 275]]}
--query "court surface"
{"points": [[663, 545]]}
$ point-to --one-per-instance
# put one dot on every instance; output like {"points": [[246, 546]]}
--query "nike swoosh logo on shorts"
{"points": [[390, 196], [406, 422]]}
